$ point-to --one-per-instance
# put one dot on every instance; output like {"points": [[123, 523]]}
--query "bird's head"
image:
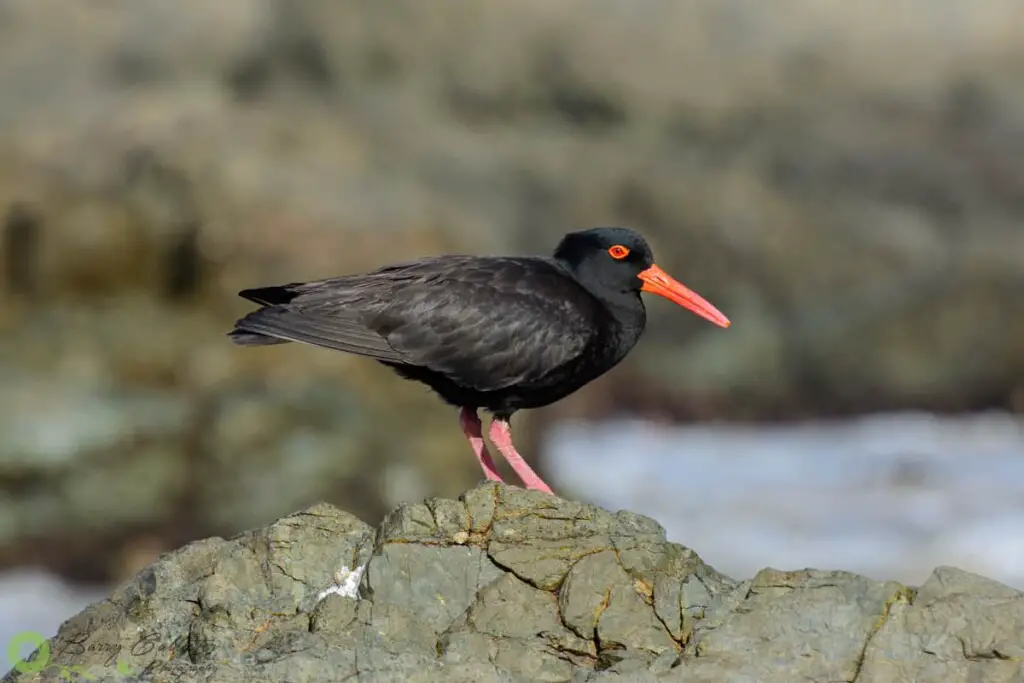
{"points": [[618, 260]]}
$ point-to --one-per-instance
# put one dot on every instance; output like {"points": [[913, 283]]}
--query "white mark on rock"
{"points": [[346, 583]]}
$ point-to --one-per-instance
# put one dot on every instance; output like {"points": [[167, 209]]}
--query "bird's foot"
{"points": [[473, 429], [501, 435]]}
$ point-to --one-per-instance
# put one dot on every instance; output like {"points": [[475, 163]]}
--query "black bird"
{"points": [[499, 333]]}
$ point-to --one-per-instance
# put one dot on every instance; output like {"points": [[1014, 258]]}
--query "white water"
{"points": [[889, 496]]}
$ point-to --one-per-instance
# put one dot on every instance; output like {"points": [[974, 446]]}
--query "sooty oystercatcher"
{"points": [[499, 333]]}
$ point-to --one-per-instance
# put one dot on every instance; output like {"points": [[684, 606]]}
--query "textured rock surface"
{"points": [[509, 585]]}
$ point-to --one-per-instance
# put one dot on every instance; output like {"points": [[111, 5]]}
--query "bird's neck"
{"points": [[626, 320], [625, 309], [628, 310]]}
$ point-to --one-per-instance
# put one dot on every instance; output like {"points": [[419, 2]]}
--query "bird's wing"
{"points": [[486, 323], [339, 330], [490, 323], [330, 313]]}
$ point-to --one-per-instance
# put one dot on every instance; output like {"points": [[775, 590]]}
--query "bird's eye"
{"points": [[618, 251]]}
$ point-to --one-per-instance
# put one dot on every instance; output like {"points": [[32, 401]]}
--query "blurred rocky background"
{"points": [[844, 180]]}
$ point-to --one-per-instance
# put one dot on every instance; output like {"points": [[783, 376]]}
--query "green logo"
{"points": [[28, 642], [35, 641]]}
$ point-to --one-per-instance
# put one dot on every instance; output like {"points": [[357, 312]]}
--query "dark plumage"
{"points": [[496, 333]]}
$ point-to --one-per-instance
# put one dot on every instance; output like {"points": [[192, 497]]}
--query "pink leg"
{"points": [[501, 435], [471, 427]]}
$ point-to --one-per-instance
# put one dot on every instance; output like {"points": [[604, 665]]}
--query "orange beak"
{"points": [[657, 281]]}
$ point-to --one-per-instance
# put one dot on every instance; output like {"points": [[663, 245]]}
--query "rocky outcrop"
{"points": [[511, 585]]}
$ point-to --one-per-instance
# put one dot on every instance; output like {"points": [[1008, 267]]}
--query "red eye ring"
{"points": [[618, 252]]}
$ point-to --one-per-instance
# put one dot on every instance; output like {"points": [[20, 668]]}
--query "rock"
{"points": [[511, 585]]}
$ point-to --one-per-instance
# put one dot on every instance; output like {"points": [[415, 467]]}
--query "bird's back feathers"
{"points": [[485, 323]]}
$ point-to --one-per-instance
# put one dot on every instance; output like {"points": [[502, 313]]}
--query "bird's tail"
{"points": [[272, 296], [246, 333], [265, 296]]}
